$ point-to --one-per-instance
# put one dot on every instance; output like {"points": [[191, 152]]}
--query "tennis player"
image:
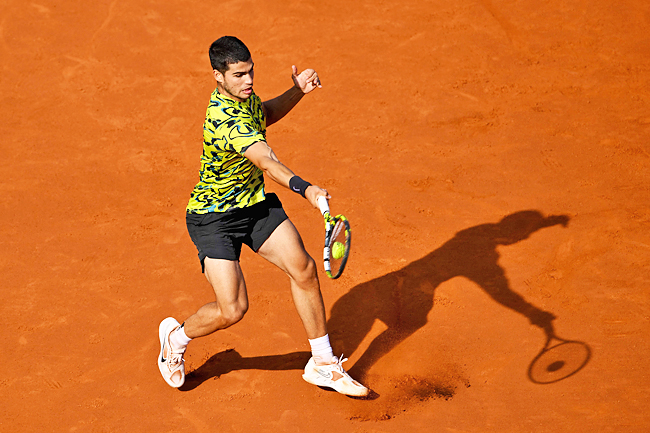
{"points": [[229, 207]]}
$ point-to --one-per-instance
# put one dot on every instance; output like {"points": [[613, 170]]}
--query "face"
{"points": [[237, 82]]}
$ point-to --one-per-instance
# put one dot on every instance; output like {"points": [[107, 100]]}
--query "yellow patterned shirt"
{"points": [[227, 178]]}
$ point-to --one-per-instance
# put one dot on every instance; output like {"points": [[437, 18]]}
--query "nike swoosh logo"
{"points": [[325, 374]]}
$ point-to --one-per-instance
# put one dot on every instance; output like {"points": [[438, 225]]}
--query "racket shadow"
{"points": [[230, 360], [403, 299], [559, 359]]}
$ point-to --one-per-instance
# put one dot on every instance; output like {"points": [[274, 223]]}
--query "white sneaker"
{"points": [[170, 362], [334, 376]]}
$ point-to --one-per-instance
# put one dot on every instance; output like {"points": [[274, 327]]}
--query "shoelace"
{"points": [[175, 359], [339, 362]]}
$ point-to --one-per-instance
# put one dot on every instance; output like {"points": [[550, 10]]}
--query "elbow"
{"points": [[268, 172]]}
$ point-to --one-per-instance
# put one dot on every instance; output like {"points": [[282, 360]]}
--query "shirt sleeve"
{"points": [[231, 130], [241, 134]]}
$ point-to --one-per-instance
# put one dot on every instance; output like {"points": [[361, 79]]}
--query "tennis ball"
{"points": [[338, 250]]}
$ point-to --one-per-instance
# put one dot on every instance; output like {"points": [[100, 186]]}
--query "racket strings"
{"points": [[339, 246], [336, 231]]}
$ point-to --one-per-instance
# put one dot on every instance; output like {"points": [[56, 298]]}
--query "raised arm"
{"points": [[263, 157], [303, 83]]}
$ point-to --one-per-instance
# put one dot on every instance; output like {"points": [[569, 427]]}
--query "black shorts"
{"points": [[220, 235]]}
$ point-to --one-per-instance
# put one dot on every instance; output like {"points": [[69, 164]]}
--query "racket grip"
{"points": [[323, 205]]}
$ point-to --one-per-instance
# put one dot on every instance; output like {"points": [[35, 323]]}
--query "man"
{"points": [[229, 207]]}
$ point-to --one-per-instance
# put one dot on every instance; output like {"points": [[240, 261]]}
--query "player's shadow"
{"points": [[403, 299], [230, 360]]}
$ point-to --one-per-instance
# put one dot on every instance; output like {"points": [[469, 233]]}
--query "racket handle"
{"points": [[323, 205]]}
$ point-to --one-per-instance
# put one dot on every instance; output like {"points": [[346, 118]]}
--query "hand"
{"points": [[558, 219], [306, 81], [313, 192], [542, 319]]}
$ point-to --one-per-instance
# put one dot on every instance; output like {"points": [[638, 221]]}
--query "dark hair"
{"points": [[226, 51]]}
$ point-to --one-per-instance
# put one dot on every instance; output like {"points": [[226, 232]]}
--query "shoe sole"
{"points": [[318, 381]]}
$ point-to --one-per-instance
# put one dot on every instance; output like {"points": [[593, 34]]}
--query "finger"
{"points": [[327, 194], [315, 80], [294, 70]]}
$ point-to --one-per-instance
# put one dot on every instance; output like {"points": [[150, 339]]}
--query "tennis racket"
{"points": [[337, 240], [558, 359]]}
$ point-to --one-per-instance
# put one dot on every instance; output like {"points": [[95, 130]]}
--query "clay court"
{"points": [[492, 157]]}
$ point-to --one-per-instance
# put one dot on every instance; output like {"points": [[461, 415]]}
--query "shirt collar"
{"points": [[225, 99]]}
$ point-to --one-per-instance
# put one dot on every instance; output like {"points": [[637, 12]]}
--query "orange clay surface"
{"points": [[492, 157]]}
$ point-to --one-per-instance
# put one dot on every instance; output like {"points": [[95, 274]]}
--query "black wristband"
{"points": [[298, 185]]}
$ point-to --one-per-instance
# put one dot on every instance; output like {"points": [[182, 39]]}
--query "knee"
{"points": [[306, 272], [233, 313]]}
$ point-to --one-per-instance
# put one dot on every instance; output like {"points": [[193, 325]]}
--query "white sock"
{"points": [[178, 339], [321, 349]]}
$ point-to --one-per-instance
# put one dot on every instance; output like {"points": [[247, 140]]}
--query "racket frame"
{"points": [[330, 234], [552, 342]]}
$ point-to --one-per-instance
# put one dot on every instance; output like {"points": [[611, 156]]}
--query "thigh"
{"points": [[268, 216], [285, 249], [227, 281], [216, 235]]}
